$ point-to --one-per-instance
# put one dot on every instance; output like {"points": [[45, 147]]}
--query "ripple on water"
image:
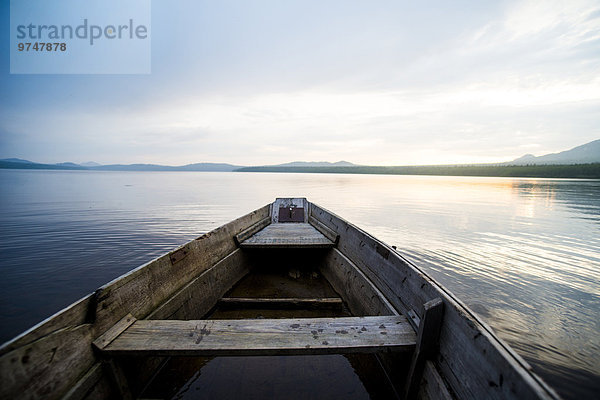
{"points": [[522, 253]]}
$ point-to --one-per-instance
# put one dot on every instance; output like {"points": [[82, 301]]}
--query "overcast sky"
{"points": [[381, 83]]}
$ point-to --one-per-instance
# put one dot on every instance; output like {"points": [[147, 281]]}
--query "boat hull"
{"points": [[57, 359]]}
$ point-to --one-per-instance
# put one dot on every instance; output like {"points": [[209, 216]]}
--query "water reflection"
{"points": [[580, 196], [523, 253], [352, 377]]}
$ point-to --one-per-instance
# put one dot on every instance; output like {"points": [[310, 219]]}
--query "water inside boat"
{"points": [[282, 283]]}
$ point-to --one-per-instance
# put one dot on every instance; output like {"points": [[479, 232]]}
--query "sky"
{"points": [[377, 83]]}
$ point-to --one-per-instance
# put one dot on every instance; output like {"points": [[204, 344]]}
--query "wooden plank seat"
{"points": [[287, 235], [327, 303], [258, 336]]}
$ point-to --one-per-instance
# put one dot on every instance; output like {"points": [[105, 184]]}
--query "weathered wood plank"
{"points": [[362, 297], [287, 235], [199, 296], [328, 233], [85, 384], [265, 336], [472, 359], [111, 334], [119, 380], [378, 263], [47, 367], [427, 345], [328, 303], [245, 234], [432, 385], [102, 390]]}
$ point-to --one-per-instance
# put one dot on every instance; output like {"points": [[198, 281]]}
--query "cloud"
{"points": [[398, 84], [457, 125]]}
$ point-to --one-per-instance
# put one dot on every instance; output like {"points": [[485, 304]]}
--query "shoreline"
{"points": [[558, 171], [576, 171]]}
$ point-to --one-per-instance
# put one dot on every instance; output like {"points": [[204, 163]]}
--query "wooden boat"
{"points": [[322, 285]]}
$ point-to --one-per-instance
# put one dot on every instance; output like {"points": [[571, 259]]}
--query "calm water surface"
{"points": [[522, 253]]}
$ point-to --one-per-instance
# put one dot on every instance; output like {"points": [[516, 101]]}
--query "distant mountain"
{"points": [[316, 164], [23, 164], [133, 167], [220, 167], [16, 163], [17, 160], [584, 154], [216, 167], [20, 163], [68, 164]]}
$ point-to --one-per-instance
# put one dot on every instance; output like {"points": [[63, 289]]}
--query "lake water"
{"points": [[522, 253]]}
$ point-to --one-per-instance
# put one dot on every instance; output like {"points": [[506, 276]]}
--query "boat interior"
{"points": [[294, 320], [286, 285]]}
